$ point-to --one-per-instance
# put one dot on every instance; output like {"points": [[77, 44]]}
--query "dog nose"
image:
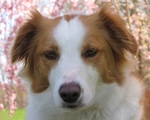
{"points": [[70, 92]]}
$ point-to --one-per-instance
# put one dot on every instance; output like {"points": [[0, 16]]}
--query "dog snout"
{"points": [[70, 92]]}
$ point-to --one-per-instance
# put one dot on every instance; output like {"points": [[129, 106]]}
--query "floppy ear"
{"points": [[24, 49], [120, 39], [25, 38]]}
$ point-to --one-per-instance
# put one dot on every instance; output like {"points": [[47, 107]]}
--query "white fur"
{"points": [[70, 67], [111, 102], [102, 101]]}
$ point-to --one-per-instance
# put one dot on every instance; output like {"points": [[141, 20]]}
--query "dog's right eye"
{"points": [[90, 53], [51, 55]]}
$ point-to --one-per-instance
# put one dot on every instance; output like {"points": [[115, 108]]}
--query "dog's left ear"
{"points": [[120, 39], [25, 38]]}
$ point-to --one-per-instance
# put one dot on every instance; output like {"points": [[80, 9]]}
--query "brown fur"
{"points": [[106, 32], [32, 40], [146, 103]]}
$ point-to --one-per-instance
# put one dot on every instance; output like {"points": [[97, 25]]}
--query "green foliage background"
{"points": [[18, 115]]}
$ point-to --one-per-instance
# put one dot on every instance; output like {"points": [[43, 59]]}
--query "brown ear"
{"points": [[120, 39], [25, 38]]}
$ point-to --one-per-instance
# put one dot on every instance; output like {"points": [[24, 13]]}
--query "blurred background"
{"points": [[13, 13]]}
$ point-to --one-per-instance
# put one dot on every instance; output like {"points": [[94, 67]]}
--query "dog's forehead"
{"points": [[69, 34]]}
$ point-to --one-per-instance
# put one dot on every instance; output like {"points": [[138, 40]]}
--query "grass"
{"points": [[18, 115]]}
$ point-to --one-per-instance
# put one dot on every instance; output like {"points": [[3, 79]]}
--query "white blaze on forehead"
{"points": [[69, 35]]}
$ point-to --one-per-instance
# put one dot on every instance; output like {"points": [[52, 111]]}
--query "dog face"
{"points": [[73, 80], [74, 54]]}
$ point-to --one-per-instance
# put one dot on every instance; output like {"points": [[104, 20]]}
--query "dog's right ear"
{"points": [[25, 38]]}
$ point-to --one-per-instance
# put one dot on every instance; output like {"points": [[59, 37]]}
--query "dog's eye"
{"points": [[51, 55], [90, 53]]}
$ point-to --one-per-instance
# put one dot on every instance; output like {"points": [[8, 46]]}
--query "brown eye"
{"points": [[90, 53], [51, 55]]}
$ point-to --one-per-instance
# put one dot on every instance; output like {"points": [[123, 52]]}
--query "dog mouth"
{"points": [[72, 105]]}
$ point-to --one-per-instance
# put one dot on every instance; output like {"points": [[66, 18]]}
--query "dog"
{"points": [[80, 67]]}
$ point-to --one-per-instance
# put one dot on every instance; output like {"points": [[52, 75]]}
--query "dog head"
{"points": [[74, 54]]}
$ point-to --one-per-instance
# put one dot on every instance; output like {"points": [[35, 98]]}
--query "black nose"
{"points": [[70, 92]]}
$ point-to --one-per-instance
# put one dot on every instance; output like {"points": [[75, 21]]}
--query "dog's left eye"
{"points": [[51, 55], [91, 52]]}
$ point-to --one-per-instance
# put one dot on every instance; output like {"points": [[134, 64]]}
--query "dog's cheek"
{"points": [[56, 97], [55, 82], [90, 84]]}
